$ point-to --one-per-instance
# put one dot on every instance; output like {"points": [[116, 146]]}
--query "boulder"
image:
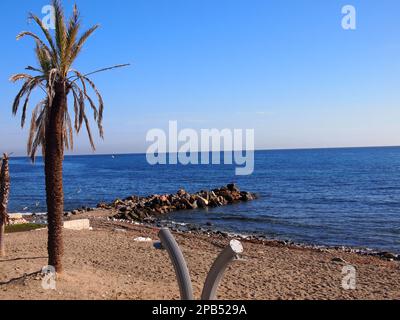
{"points": [[201, 202], [339, 260], [246, 196], [223, 201], [388, 255], [68, 214], [233, 188], [164, 199], [215, 203], [195, 205], [182, 193], [103, 205], [118, 202], [228, 197], [187, 203]]}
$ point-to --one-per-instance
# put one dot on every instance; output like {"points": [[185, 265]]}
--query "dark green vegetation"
{"points": [[23, 227]]}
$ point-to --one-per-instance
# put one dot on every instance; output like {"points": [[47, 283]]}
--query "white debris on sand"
{"points": [[77, 225], [141, 239]]}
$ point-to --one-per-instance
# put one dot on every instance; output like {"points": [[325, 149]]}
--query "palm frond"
{"points": [[89, 133], [107, 69], [76, 107], [37, 128], [68, 132], [100, 108], [53, 51], [30, 68], [44, 58], [72, 34], [26, 88], [34, 36], [20, 76], [61, 31], [87, 96]]}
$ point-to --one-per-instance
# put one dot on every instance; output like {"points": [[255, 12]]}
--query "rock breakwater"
{"points": [[147, 208]]}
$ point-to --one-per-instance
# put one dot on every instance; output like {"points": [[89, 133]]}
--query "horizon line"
{"points": [[221, 151]]}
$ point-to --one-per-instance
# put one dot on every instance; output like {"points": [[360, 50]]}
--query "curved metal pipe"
{"points": [[217, 271], [182, 272]]}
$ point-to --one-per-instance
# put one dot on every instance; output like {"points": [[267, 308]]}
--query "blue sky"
{"points": [[285, 68]]}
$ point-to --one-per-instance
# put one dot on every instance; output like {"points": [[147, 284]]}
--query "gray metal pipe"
{"points": [[217, 271], [181, 269]]}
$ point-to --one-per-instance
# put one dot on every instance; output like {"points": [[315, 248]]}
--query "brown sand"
{"points": [[107, 264]]}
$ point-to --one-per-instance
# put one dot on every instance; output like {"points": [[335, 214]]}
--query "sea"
{"points": [[333, 197]]}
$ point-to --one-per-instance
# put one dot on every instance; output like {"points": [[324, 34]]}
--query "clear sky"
{"points": [[285, 68]]}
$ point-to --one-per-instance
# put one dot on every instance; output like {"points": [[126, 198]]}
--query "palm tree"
{"points": [[4, 195], [51, 126]]}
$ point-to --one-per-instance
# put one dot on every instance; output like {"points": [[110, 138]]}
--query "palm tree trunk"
{"points": [[4, 195], [2, 244], [54, 156]]}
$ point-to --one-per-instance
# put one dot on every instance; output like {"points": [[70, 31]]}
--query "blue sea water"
{"points": [[332, 197]]}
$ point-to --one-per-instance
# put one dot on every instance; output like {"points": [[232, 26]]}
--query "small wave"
{"points": [[174, 222], [245, 219], [391, 188]]}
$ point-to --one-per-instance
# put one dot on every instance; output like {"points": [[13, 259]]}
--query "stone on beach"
{"points": [[339, 260], [389, 256]]}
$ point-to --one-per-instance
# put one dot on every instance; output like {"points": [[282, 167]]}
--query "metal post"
{"points": [[217, 270], [182, 272]]}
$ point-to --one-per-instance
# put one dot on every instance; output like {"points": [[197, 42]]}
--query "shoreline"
{"points": [[190, 228], [154, 210]]}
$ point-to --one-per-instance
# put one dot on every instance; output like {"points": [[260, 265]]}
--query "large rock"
{"points": [[183, 194], [233, 188], [201, 202], [188, 204], [247, 196]]}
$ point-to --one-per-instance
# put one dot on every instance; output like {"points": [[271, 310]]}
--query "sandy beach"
{"points": [[106, 263], [151, 116]]}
